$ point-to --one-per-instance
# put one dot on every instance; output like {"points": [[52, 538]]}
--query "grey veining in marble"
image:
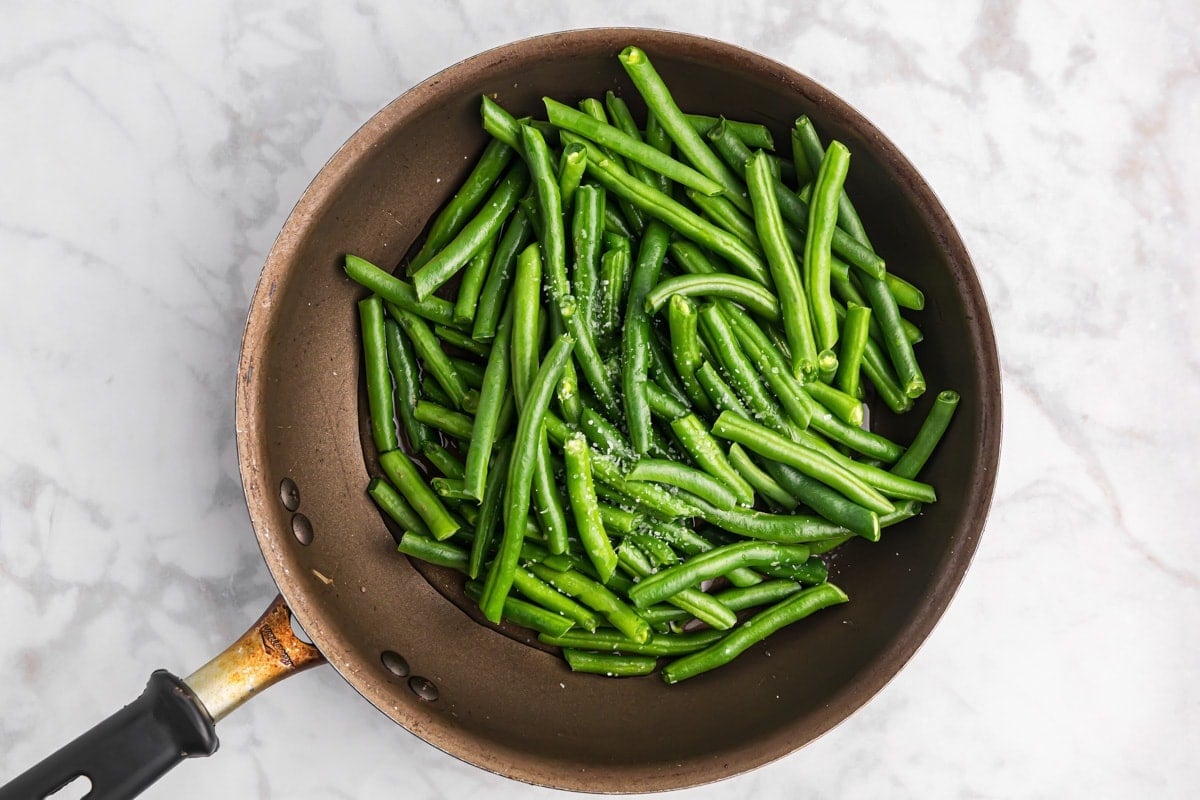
{"points": [[149, 152]]}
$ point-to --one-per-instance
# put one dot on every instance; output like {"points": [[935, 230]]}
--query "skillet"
{"points": [[404, 638]]}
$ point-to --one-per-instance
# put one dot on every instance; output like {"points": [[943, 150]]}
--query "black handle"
{"points": [[130, 750]]}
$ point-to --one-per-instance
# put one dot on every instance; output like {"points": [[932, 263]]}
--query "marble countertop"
{"points": [[149, 153]]}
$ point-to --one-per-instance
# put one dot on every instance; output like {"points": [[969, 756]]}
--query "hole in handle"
{"points": [[77, 788]]}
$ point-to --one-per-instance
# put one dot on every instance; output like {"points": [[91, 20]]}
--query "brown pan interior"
{"points": [[502, 705]]}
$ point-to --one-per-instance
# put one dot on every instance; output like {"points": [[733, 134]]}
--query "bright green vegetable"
{"points": [[380, 399]]}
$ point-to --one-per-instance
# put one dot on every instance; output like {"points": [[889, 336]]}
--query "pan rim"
{"points": [[322, 191]]}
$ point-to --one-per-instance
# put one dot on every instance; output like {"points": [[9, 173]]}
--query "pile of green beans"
{"points": [[621, 384]]}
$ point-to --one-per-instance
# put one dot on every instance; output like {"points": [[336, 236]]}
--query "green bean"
{"points": [[865, 442], [608, 664], [805, 174], [489, 510], [450, 488], [568, 397], [846, 407], [814, 154], [827, 365], [723, 398], [527, 615], [656, 550], [898, 346], [738, 368], [724, 214], [830, 504], [664, 404], [713, 564], [687, 541], [684, 477], [607, 639], [705, 451], [816, 465], [618, 520], [907, 295], [614, 222], [443, 554], [615, 263], [738, 598], [771, 365], [797, 321], [686, 222], [621, 117], [854, 342], [751, 133], [500, 124], [431, 391], [446, 462], [470, 287], [888, 483], [491, 403], [451, 423], [811, 572], [827, 545], [743, 291], [546, 596], [759, 627], [795, 210], [703, 607], [756, 477], [470, 371], [551, 513], [630, 147], [822, 220], [685, 349], [429, 349], [527, 308], [549, 203], [380, 399], [460, 208], [879, 372], [636, 220], [659, 101], [570, 171], [404, 475], [554, 252], [395, 506], [406, 377], [456, 338], [927, 438], [654, 499], [597, 597], [530, 428], [777, 528], [604, 434], [662, 372], [500, 276], [587, 226], [586, 509], [635, 337], [486, 225]]}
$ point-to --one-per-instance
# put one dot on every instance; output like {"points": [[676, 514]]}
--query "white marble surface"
{"points": [[150, 151]]}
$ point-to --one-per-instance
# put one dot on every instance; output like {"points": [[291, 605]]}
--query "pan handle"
{"points": [[173, 719]]}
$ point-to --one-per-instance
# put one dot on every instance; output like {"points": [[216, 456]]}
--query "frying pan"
{"points": [[404, 638]]}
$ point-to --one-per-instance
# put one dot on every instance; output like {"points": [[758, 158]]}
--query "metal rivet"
{"points": [[302, 529], [395, 663], [423, 688], [289, 494]]}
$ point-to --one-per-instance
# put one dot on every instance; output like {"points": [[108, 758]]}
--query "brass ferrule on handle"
{"points": [[265, 654]]}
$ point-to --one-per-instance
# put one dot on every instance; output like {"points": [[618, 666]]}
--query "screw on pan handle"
{"points": [[173, 719]]}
